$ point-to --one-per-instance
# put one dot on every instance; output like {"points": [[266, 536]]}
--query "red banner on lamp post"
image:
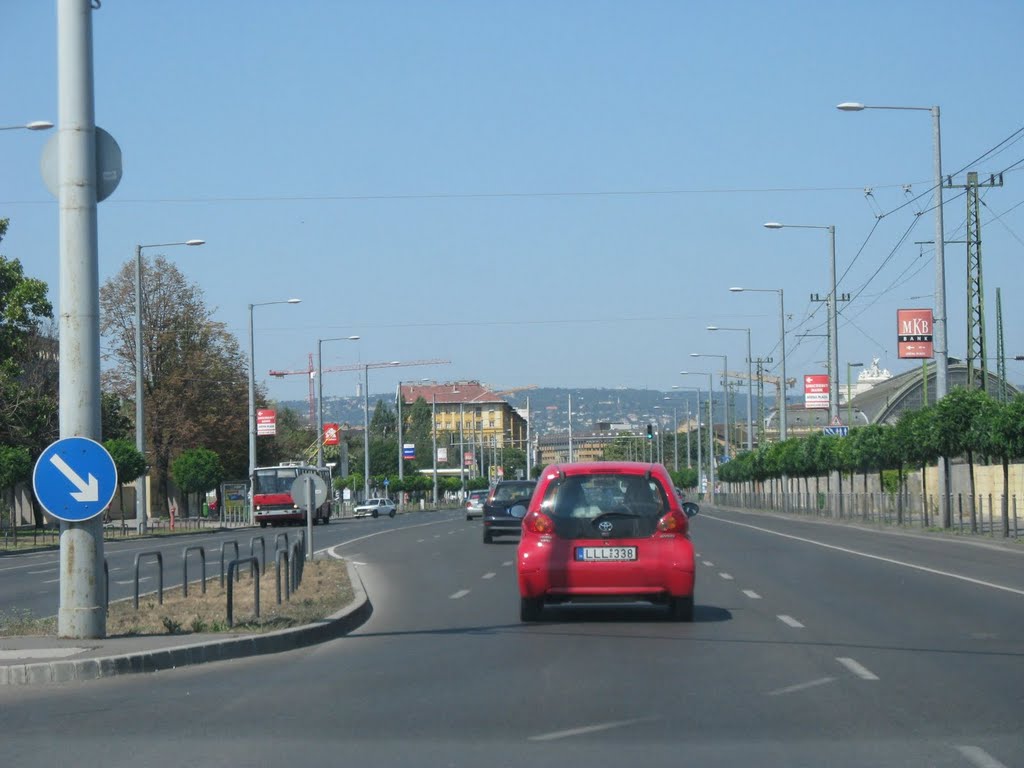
{"points": [[331, 434], [816, 390], [914, 328], [266, 421]]}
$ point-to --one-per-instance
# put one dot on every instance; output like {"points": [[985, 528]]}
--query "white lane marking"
{"points": [[460, 593], [420, 541], [356, 562], [890, 560], [751, 594], [708, 563], [790, 621], [726, 576], [587, 729], [489, 575], [437, 535], [507, 563], [331, 549], [801, 686], [45, 570], [857, 668], [979, 757], [50, 581]]}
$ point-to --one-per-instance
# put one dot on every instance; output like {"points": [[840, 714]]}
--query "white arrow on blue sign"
{"points": [[75, 479], [836, 431]]}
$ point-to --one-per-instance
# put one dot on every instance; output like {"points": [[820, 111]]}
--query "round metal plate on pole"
{"points": [[108, 165], [300, 493]]}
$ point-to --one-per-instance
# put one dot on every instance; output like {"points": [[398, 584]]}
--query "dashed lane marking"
{"points": [[801, 686], [790, 621], [857, 668], [507, 563], [587, 729], [751, 594], [708, 563], [726, 576], [979, 757], [459, 594], [489, 575]]}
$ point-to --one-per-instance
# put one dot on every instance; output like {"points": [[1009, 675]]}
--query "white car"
{"points": [[375, 508]]}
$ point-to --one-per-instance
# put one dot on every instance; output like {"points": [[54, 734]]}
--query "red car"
{"points": [[606, 532]]}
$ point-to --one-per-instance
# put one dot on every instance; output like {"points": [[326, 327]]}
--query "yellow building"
{"points": [[481, 415]]}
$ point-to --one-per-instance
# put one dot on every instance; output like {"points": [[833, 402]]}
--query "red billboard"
{"points": [[266, 421], [816, 390], [914, 333], [330, 434]]}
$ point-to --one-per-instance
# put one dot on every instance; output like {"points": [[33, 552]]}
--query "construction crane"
{"points": [[513, 390], [311, 373]]}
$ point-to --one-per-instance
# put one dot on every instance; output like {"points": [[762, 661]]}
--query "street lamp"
{"points": [[833, 322], [849, 405], [35, 125], [711, 431], [750, 379], [699, 457], [140, 432], [252, 398], [725, 389], [939, 321], [782, 342], [366, 422], [320, 394]]}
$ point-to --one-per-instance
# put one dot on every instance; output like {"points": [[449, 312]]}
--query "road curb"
{"points": [[71, 670]]}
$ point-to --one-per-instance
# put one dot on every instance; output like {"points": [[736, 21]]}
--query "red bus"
{"points": [[272, 495]]}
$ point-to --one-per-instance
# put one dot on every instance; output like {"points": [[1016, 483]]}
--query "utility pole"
{"points": [[760, 362], [1001, 350], [977, 362], [833, 407]]}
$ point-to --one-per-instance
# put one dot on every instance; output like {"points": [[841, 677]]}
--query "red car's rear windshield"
{"points": [[589, 496]]}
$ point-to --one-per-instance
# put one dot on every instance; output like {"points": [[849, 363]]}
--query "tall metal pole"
{"points": [[401, 459], [82, 608], [252, 417], [570, 429], [433, 438], [711, 437], [689, 462], [529, 445], [750, 397], [462, 449], [675, 440], [939, 321], [783, 434], [833, 325], [366, 431], [319, 402], [140, 432]]}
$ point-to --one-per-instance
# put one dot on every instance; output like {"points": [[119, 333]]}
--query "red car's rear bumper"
{"points": [[547, 568]]}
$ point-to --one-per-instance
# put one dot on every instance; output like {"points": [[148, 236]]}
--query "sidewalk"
{"points": [[41, 660]]}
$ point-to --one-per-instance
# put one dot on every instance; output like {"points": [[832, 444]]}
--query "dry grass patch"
{"points": [[325, 589]]}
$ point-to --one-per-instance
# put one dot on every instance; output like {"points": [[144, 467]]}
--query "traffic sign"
{"points": [[300, 495], [74, 479], [836, 431]]}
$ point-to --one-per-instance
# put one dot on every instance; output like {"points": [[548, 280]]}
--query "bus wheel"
{"points": [[263, 523]]}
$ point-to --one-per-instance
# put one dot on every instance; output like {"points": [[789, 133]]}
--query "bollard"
{"points": [[263, 549], [222, 545], [287, 584], [160, 561], [184, 567]]}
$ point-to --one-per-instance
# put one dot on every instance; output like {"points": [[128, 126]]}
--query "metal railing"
{"points": [[160, 562], [254, 570]]}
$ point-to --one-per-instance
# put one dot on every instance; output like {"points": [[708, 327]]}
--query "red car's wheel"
{"points": [[530, 608], [681, 608]]}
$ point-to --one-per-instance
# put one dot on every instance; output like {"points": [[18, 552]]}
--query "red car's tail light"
{"points": [[538, 522], [673, 522]]}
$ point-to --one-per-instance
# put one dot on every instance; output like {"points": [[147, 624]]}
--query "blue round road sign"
{"points": [[75, 479]]}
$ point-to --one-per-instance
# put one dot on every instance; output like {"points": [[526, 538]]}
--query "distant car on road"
{"points": [[375, 508], [606, 532], [504, 496], [475, 503]]}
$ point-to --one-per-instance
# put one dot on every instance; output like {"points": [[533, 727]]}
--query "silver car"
{"points": [[475, 504], [375, 508]]}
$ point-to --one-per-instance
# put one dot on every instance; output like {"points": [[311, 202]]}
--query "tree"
{"points": [[917, 442], [418, 430], [116, 424], [1004, 439], [384, 423], [195, 378], [197, 471], [961, 421], [28, 359], [130, 465]]}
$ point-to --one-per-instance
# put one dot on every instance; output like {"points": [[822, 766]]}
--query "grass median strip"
{"points": [[325, 590]]}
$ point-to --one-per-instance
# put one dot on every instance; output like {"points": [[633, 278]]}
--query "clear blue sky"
{"points": [[552, 193]]}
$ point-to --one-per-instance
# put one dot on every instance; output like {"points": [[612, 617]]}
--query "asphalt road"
{"points": [[813, 645]]}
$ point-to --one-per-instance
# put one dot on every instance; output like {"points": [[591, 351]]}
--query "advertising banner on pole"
{"points": [[914, 333], [331, 434], [442, 455], [408, 450], [266, 421], [816, 390]]}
